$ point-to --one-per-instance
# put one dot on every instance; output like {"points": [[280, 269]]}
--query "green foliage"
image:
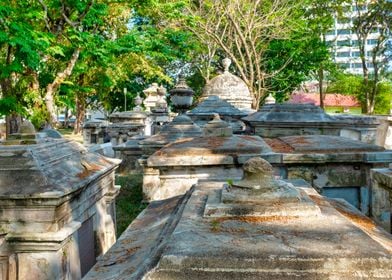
{"points": [[38, 117], [121, 46], [350, 84], [383, 98], [8, 105], [303, 55]]}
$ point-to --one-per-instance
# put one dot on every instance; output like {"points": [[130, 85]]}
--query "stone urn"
{"points": [[138, 103], [181, 95]]}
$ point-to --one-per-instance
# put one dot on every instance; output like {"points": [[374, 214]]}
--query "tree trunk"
{"points": [[13, 122], [52, 88], [366, 88], [66, 117], [321, 82], [365, 72], [80, 114]]}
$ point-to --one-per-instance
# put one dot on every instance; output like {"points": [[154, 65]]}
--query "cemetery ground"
{"points": [[129, 202], [68, 134]]}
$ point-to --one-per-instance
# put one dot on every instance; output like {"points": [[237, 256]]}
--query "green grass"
{"points": [[129, 201], [352, 111], [68, 134], [65, 131]]}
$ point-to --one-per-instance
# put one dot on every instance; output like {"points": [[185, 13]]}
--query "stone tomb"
{"points": [[125, 125], [140, 147], [181, 127], [129, 153], [384, 132], [95, 132], [57, 209], [277, 120], [335, 166], [182, 238], [205, 111], [218, 155], [382, 197]]}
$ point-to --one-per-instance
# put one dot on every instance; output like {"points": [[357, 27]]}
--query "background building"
{"points": [[344, 42]]}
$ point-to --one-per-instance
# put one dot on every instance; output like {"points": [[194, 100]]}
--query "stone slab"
{"points": [[319, 247], [49, 170], [339, 243], [138, 248], [383, 176], [208, 151], [258, 207], [327, 144]]}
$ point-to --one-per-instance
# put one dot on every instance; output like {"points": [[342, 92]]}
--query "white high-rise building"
{"points": [[344, 42]]}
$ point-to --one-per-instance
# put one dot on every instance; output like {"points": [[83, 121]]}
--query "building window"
{"points": [[345, 43], [331, 32], [344, 32], [343, 54], [345, 65], [355, 54], [372, 41], [329, 44], [357, 65]]}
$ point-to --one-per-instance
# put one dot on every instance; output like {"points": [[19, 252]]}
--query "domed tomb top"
{"points": [[230, 88], [215, 105]]}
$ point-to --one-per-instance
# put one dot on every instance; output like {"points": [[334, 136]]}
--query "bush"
{"points": [[384, 98]]}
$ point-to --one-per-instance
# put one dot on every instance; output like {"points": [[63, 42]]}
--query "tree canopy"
{"points": [[78, 54]]}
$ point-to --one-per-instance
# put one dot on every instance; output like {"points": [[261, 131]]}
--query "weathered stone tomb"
{"points": [[141, 147], [57, 208], [125, 125], [277, 120], [256, 228], [335, 166], [205, 111], [217, 155], [382, 197]]}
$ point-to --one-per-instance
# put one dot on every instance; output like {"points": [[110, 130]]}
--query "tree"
{"points": [[350, 84], [142, 53], [65, 21], [321, 17], [304, 53], [373, 17], [20, 46], [241, 29]]}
